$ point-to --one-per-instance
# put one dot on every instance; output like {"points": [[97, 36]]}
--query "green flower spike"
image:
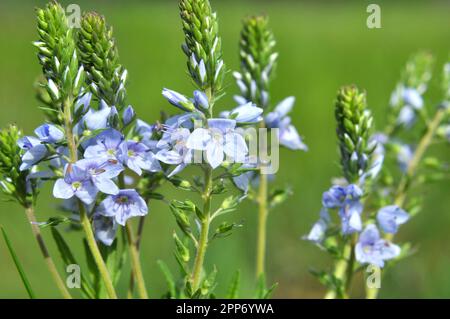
{"points": [[354, 123]]}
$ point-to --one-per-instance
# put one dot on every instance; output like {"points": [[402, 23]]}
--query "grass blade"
{"points": [[19, 267]]}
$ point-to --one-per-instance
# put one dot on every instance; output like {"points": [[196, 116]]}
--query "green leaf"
{"points": [[233, 289], [225, 229], [55, 221], [18, 265], [278, 196], [68, 258], [169, 278]]}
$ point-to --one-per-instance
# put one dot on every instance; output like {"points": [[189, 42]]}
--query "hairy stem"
{"points": [[405, 182], [44, 250], [262, 226], [84, 219], [204, 230]]}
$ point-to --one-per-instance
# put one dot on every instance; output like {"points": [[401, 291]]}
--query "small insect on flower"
{"points": [[371, 249], [101, 172], [126, 204]]}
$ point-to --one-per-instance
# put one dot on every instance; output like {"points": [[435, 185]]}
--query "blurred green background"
{"points": [[322, 46]]}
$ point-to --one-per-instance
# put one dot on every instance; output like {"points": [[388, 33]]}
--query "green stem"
{"points": [[405, 182], [341, 271], [84, 219], [138, 247], [204, 230], [92, 244], [262, 226], [135, 263], [44, 250]]}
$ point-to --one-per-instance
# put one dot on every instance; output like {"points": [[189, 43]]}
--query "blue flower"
{"points": [[243, 181], [126, 204], [371, 249], [105, 229], [35, 151], [94, 119], [101, 172], [174, 150], [83, 101], [108, 146], [178, 100], [246, 113], [137, 157], [412, 102], [49, 133], [413, 98], [318, 231], [347, 199], [128, 115], [334, 197], [391, 217], [76, 182], [217, 140], [405, 154], [201, 100], [288, 134]]}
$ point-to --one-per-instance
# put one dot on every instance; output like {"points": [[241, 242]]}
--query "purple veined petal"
{"points": [[110, 138], [272, 120], [143, 128], [62, 190], [290, 138], [199, 139], [177, 170], [317, 233], [354, 191], [128, 115], [154, 166], [169, 157], [242, 181], [84, 101], [94, 151], [235, 147], [112, 169], [28, 142], [201, 99], [334, 197], [105, 229], [214, 154], [49, 133], [105, 185], [285, 106], [175, 98], [387, 250], [370, 235], [96, 120], [223, 125], [133, 165], [106, 207], [87, 192], [33, 156], [391, 217]]}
